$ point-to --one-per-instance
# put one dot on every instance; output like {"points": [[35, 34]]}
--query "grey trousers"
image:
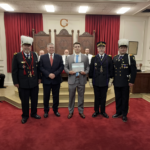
{"points": [[72, 92]]}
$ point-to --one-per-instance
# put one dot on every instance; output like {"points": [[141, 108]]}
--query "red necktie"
{"points": [[51, 59]]}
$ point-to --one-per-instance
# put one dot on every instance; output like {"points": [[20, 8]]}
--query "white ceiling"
{"points": [[107, 7]]}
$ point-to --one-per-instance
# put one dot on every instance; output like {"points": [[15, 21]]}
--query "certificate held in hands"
{"points": [[77, 67]]}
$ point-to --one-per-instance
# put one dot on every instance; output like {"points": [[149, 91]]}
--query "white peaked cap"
{"points": [[26, 40], [123, 42]]}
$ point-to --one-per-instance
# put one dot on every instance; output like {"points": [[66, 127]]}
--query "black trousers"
{"points": [[2, 77], [55, 92], [122, 100], [100, 98], [24, 95]]}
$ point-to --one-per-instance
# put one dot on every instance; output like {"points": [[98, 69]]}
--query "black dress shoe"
{"points": [[45, 115], [95, 114], [117, 115], [24, 120], [57, 114], [36, 117], [105, 115], [124, 118]]}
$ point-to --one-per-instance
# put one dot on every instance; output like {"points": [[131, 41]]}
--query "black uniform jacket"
{"points": [[123, 72], [101, 78], [18, 64]]}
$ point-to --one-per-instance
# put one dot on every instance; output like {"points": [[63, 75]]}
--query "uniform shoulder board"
{"points": [[93, 56], [15, 53], [109, 55], [131, 55]]}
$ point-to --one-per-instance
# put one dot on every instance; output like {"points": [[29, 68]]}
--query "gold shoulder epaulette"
{"points": [[109, 55], [131, 55], [93, 56], [15, 53]]}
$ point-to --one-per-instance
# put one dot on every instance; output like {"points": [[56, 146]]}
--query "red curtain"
{"points": [[107, 29], [17, 24]]}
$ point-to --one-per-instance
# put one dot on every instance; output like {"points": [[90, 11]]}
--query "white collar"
{"points": [[121, 55], [26, 54], [77, 54], [102, 55], [50, 54]]}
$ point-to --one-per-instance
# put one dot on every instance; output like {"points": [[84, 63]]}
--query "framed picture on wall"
{"points": [[133, 47]]}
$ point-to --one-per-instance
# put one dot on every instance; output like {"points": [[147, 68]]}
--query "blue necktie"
{"points": [[77, 73], [101, 57], [28, 56], [120, 57]]}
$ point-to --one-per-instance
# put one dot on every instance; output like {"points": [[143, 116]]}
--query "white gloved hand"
{"points": [[90, 83], [110, 82]]}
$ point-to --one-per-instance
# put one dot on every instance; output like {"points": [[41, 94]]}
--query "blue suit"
{"points": [[48, 84]]}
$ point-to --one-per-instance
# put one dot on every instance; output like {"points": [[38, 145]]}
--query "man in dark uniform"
{"points": [[2, 77], [124, 77], [101, 69], [26, 76]]}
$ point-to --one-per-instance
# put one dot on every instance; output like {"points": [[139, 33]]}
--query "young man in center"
{"points": [[76, 80], [101, 70]]}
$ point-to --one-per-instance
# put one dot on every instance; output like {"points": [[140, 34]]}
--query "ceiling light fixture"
{"points": [[6, 7], [123, 10], [49, 8], [83, 9]]}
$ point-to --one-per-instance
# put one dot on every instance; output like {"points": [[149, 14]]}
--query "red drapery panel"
{"points": [[107, 29], [17, 24]]}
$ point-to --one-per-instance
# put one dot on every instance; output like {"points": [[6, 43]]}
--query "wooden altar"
{"points": [[142, 82]]}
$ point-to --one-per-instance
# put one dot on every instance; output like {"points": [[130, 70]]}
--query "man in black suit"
{"points": [[124, 77], [26, 76], [101, 70], [51, 66], [2, 77]]}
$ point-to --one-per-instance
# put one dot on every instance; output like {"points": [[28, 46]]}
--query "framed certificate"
{"points": [[133, 47], [77, 67]]}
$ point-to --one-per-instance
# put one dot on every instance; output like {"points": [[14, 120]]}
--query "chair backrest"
{"points": [[41, 39], [87, 41], [63, 41]]}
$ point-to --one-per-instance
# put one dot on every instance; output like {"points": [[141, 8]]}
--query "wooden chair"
{"points": [[41, 39], [87, 41]]}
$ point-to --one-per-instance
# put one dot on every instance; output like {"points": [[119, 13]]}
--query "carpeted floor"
{"points": [[98, 133]]}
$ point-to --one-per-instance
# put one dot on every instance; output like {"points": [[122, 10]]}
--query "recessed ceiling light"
{"points": [[6, 7], [83, 9], [123, 10], [49, 8]]}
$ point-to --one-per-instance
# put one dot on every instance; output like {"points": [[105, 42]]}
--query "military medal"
{"points": [[101, 62], [101, 69], [23, 66], [29, 66], [30, 74]]}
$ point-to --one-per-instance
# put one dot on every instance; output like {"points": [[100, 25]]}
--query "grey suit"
{"points": [[75, 82]]}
